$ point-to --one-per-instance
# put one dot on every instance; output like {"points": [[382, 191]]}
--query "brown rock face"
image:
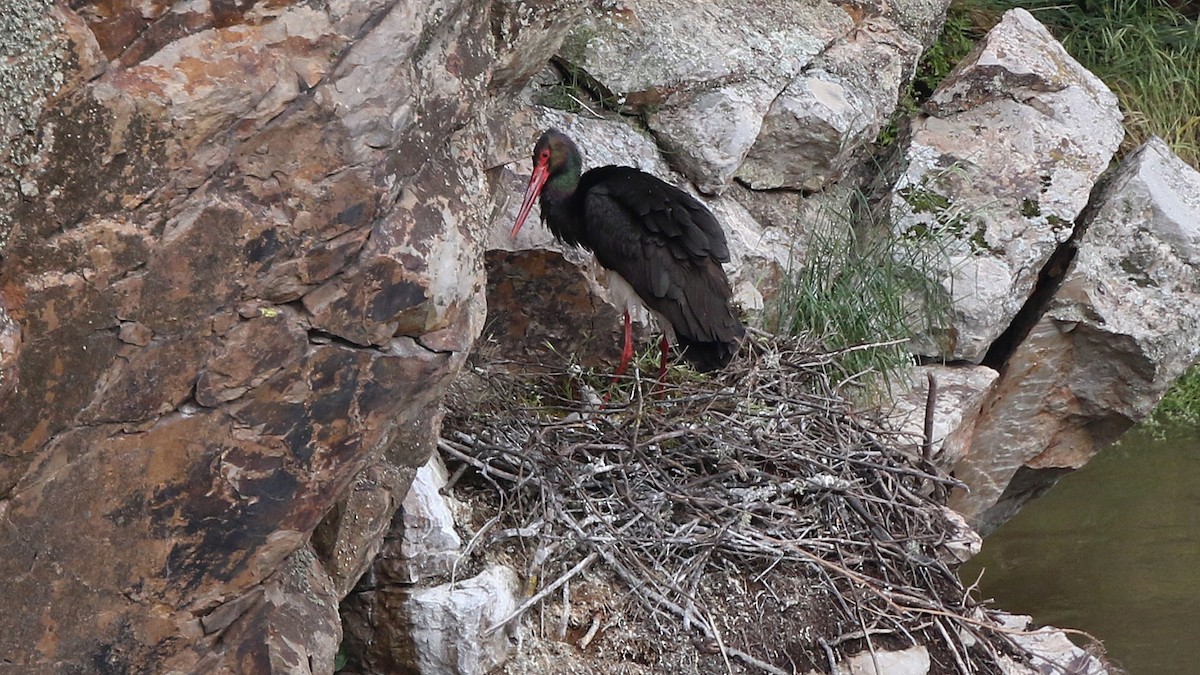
{"points": [[525, 317], [244, 258]]}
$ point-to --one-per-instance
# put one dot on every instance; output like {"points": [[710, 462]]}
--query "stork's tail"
{"points": [[709, 356]]}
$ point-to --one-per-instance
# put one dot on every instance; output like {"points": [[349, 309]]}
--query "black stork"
{"points": [[660, 242]]}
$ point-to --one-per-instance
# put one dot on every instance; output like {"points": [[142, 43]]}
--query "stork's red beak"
{"points": [[541, 171]]}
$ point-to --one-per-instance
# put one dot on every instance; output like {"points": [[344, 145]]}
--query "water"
{"points": [[1114, 550]]}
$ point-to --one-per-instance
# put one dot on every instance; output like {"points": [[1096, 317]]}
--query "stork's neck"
{"points": [[562, 208]]}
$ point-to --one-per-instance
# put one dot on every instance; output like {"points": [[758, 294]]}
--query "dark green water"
{"points": [[1114, 550]]}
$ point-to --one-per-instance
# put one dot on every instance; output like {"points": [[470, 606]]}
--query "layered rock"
{"points": [[246, 255], [1123, 325], [997, 172]]}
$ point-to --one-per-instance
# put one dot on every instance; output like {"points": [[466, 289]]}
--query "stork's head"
{"points": [[556, 159]]}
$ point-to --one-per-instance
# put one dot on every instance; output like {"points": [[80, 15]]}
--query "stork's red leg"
{"points": [[662, 365], [626, 353], [627, 350]]}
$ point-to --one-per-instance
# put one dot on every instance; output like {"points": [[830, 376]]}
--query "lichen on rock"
{"points": [[31, 70]]}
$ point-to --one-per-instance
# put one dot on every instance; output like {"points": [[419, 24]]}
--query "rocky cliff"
{"points": [[242, 258]]}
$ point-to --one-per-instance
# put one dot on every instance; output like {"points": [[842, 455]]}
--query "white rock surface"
{"points": [[710, 136], [911, 661], [1052, 653], [818, 125], [999, 170], [652, 49], [794, 88], [448, 623], [1124, 324], [960, 390], [430, 545]]}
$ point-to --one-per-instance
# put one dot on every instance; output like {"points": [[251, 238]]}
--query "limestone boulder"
{"points": [[646, 52], [412, 611], [442, 629], [711, 134], [817, 127], [430, 545], [996, 173], [796, 86], [451, 623], [1123, 325], [241, 252]]}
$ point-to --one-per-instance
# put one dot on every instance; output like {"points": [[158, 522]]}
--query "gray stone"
{"points": [[1124, 324], [794, 88], [649, 52], [405, 617], [911, 661], [1048, 649], [817, 126], [430, 545], [448, 623], [708, 97], [960, 391], [997, 173], [708, 138], [961, 542]]}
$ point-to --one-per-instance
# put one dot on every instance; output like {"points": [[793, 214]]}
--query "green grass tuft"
{"points": [[1146, 51], [1180, 407], [861, 290]]}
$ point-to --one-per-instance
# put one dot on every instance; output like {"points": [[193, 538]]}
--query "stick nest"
{"points": [[754, 513]]}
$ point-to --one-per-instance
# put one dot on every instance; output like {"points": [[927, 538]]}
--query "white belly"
{"points": [[621, 294]]}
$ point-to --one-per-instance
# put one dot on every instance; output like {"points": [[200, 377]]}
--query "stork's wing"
{"points": [[669, 248], [687, 228]]}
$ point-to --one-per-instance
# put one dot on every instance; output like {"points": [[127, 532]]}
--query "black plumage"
{"points": [[662, 241]]}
